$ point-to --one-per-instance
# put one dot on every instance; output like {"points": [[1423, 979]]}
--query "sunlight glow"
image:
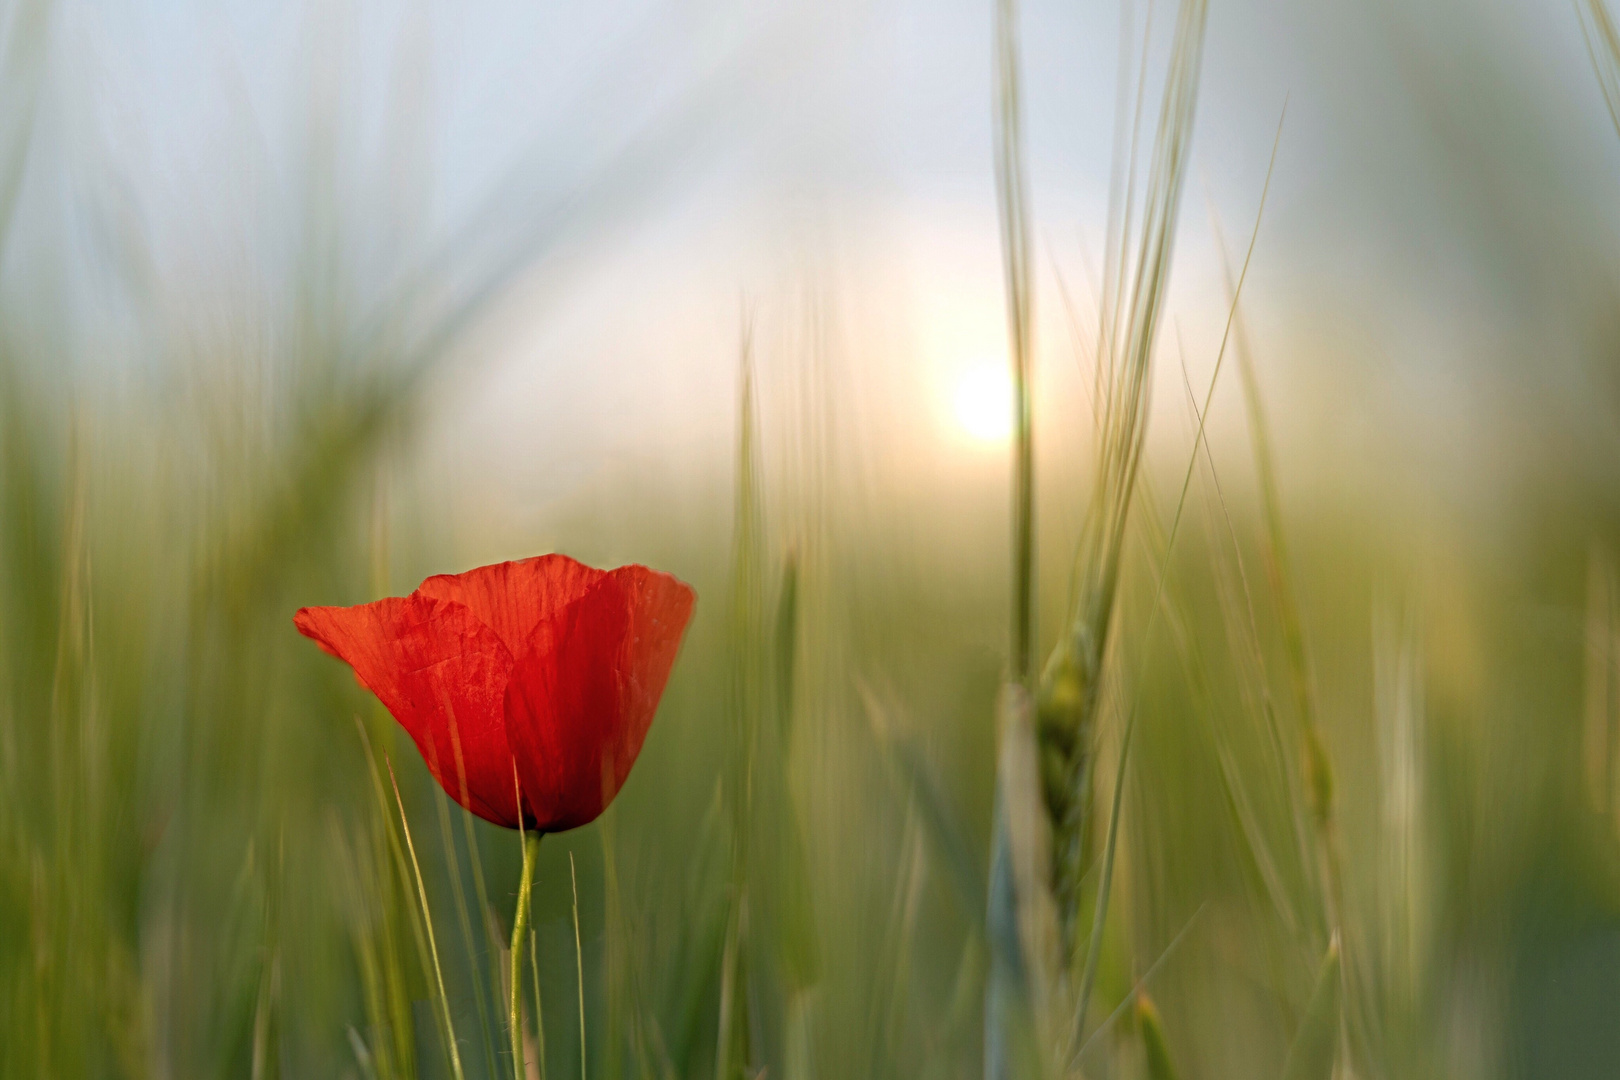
{"points": [[984, 403]]}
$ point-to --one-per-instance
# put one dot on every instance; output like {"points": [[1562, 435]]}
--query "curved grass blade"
{"points": [[427, 919], [1316, 1043]]}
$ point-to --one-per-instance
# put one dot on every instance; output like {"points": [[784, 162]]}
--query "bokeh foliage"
{"points": [[204, 871]]}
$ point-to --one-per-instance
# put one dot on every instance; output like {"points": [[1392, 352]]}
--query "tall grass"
{"points": [[1048, 745], [1286, 798]]}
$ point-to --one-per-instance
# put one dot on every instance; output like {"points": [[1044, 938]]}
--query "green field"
{"points": [[1288, 775]]}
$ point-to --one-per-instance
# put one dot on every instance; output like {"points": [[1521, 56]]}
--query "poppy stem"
{"points": [[520, 925]]}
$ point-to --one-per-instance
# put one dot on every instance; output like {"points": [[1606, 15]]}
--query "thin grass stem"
{"points": [[427, 919], [458, 895], [579, 967], [1105, 882], [1012, 198], [520, 926]]}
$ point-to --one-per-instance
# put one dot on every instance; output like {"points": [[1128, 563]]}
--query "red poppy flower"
{"points": [[546, 668]]}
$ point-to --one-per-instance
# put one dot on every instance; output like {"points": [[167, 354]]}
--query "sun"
{"points": [[984, 403]]}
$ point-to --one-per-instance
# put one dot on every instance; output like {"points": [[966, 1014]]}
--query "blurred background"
{"points": [[302, 303]]}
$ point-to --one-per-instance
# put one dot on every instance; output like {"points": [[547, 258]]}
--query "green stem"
{"points": [[520, 925]]}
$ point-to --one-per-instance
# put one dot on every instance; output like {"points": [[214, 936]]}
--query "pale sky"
{"points": [[1446, 173]]}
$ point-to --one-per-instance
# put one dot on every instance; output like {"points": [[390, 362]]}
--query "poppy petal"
{"points": [[584, 692], [514, 598], [442, 674]]}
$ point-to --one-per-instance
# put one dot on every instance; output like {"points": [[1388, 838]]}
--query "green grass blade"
{"points": [[579, 967], [433, 947], [1316, 1043], [1155, 1051]]}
